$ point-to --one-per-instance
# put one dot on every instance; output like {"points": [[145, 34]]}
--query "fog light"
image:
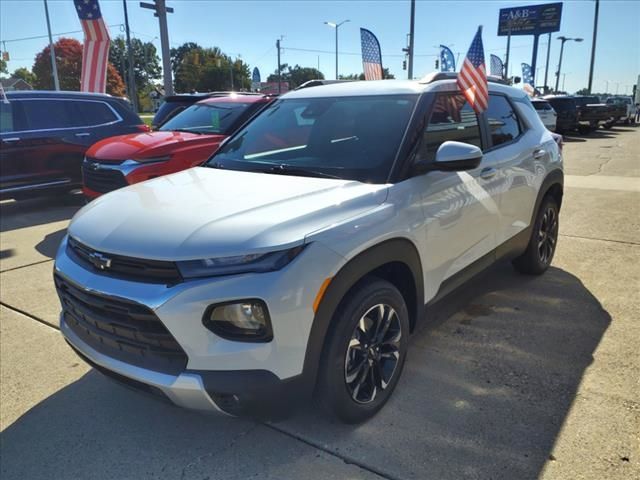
{"points": [[245, 321]]}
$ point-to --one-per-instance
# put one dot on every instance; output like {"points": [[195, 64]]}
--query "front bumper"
{"points": [[220, 374]]}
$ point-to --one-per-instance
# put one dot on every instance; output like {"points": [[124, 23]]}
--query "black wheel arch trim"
{"points": [[398, 250], [553, 178]]}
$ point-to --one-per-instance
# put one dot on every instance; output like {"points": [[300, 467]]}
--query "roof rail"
{"points": [[436, 76]]}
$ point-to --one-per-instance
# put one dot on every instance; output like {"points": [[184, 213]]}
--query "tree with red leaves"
{"points": [[69, 63]]}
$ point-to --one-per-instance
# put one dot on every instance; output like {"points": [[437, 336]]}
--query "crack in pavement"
{"points": [[199, 458], [27, 265], [27, 314], [623, 242], [345, 458]]}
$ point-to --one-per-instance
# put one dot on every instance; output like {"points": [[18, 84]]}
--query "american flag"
{"points": [[371, 56], [527, 74], [496, 66], [472, 79], [447, 62], [95, 53]]}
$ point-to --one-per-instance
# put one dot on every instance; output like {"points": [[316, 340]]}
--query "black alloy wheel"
{"points": [[364, 351], [548, 235], [373, 353]]}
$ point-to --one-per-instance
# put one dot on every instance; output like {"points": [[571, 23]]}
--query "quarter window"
{"points": [[504, 125], [6, 117], [452, 118], [95, 113]]}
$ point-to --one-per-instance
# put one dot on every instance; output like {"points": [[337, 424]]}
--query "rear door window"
{"points": [[451, 119], [504, 125], [49, 114], [95, 113]]}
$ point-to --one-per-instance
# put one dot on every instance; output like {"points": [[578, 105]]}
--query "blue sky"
{"points": [[250, 28]]}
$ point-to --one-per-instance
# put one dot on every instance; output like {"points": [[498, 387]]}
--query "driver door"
{"points": [[460, 208]]}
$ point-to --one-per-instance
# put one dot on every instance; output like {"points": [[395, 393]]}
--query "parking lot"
{"points": [[513, 377]]}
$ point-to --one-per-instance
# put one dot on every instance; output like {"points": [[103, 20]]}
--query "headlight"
{"points": [[245, 321], [152, 159], [253, 263]]}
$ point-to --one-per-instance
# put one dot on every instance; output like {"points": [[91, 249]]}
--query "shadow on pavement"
{"points": [[487, 385], [50, 243], [38, 211]]}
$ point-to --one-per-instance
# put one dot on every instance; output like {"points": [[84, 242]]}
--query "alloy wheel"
{"points": [[373, 353], [548, 235]]}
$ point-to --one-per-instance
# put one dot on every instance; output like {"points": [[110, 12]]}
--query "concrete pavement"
{"points": [[513, 377]]}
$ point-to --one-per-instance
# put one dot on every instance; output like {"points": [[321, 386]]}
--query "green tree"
{"points": [[583, 91], [25, 74], [3, 66], [178, 55], [386, 75], [208, 69], [146, 63], [296, 75]]}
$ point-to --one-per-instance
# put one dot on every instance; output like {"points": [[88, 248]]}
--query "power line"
{"points": [[53, 34]]}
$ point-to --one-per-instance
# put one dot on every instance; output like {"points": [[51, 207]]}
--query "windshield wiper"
{"points": [[185, 130], [284, 169]]}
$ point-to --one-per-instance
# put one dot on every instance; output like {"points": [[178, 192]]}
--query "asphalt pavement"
{"points": [[512, 377]]}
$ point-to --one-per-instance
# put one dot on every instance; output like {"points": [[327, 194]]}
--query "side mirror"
{"points": [[457, 156]]}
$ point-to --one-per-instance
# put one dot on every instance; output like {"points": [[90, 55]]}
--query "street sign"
{"points": [[530, 20]]}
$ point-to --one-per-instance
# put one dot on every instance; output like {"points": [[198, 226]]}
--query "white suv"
{"points": [[298, 260]]}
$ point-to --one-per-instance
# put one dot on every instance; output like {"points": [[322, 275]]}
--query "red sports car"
{"points": [[186, 140]]}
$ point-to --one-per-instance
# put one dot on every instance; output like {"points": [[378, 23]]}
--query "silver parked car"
{"points": [[546, 112], [300, 258]]}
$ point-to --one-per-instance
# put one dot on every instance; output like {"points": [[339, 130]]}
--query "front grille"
{"points": [[128, 268], [102, 180], [120, 329]]}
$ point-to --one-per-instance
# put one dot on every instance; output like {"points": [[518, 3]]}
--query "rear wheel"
{"points": [[365, 352], [542, 244]]}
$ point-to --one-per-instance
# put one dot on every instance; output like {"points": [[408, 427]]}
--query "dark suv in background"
{"points": [[44, 136]]}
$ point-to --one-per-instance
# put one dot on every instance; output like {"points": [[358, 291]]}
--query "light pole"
{"points": [[563, 39], [564, 77], [336, 26]]}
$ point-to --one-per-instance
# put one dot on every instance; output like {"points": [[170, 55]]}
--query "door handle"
{"points": [[83, 134], [538, 154], [12, 139], [488, 173]]}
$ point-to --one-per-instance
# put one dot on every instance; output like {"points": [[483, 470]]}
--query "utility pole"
{"points": [[546, 67], [54, 68], [161, 10], [279, 73], [506, 60], [411, 35], [593, 45], [133, 96]]}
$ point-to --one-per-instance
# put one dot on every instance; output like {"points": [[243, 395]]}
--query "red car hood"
{"points": [[149, 144]]}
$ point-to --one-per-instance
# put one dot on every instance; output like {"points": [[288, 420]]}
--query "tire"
{"points": [[544, 238], [352, 355], [583, 129], [608, 125]]}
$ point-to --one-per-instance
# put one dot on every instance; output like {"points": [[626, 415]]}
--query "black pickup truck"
{"points": [[592, 113]]}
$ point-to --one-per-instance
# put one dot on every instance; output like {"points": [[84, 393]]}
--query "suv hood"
{"points": [[149, 144], [206, 212]]}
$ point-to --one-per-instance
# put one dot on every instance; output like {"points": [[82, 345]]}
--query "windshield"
{"points": [[353, 138], [212, 118], [541, 105]]}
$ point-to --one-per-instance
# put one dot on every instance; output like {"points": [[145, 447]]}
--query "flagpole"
{"points": [[133, 95], [54, 68]]}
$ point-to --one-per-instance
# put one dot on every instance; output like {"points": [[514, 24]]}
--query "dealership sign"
{"points": [[531, 20]]}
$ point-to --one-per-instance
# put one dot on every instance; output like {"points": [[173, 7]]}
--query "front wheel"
{"points": [[365, 352], [542, 244]]}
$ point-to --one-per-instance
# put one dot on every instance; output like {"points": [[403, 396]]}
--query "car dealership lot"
{"points": [[515, 377]]}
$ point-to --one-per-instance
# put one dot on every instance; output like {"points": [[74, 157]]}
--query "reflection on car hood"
{"points": [[206, 212], [149, 144]]}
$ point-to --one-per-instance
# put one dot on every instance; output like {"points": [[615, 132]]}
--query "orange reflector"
{"points": [[323, 288]]}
